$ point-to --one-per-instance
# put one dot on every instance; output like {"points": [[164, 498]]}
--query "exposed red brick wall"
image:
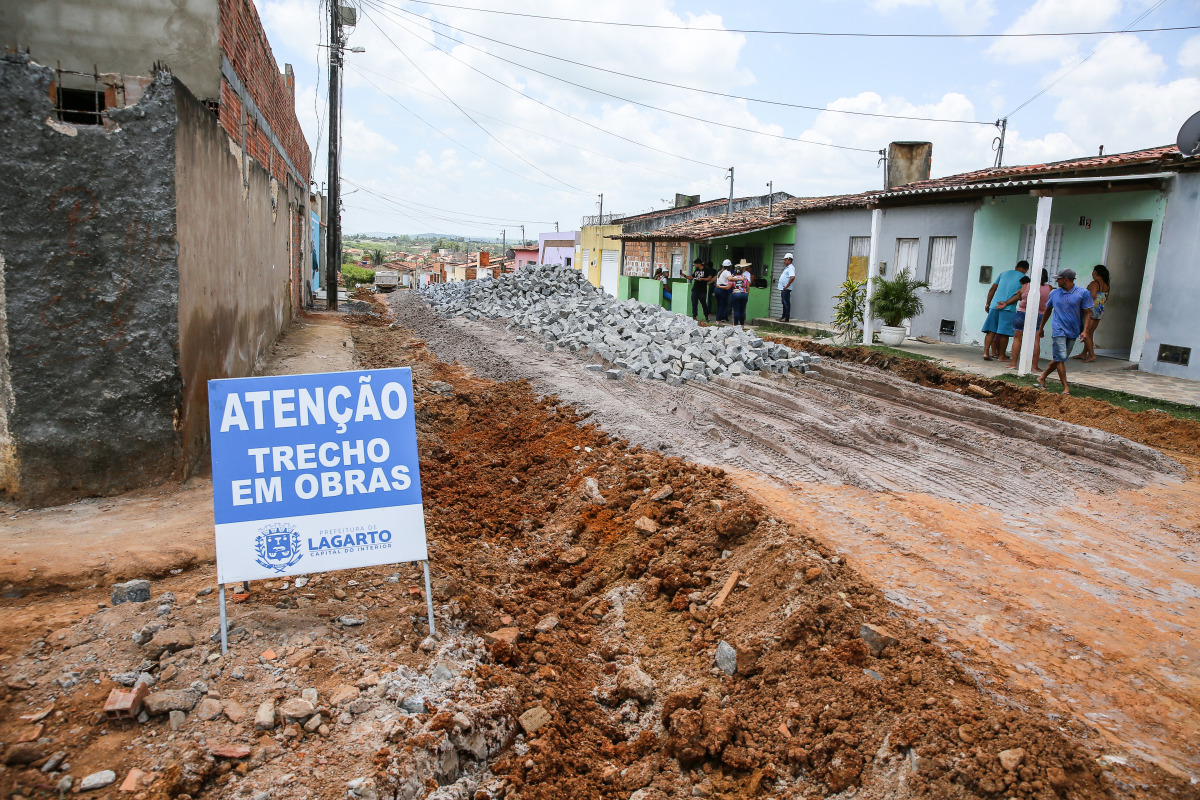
{"points": [[245, 44], [637, 259]]}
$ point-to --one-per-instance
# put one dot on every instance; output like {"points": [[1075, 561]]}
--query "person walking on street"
{"points": [[1099, 290], [999, 324], [786, 279], [1067, 305], [723, 290], [739, 291], [699, 279]]}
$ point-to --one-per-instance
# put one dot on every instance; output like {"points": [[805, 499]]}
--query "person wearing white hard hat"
{"points": [[723, 289], [786, 279]]}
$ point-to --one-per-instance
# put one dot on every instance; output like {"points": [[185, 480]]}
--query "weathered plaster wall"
{"points": [[822, 255], [87, 219], [234, 275], [8, 471], [120, 36], [924, 222], [1170, 312]]}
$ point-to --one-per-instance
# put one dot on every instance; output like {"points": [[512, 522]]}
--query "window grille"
{"points": [[1054, 238]]}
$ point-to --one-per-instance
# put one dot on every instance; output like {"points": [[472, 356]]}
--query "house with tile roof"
{"points": [[1138, 213]]}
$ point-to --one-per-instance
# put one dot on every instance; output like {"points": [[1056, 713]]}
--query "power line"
{"points": [[850, 34], [491, 220], [602, 129], [677, 85], [448, 136], [1086, 58], [636, 102], [465, 114], [479, 113]]}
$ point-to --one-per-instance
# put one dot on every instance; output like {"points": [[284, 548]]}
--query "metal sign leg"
{"points": [[428, 598], [224, 624]]}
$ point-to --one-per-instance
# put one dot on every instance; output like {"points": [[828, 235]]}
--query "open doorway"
{"points": [[1128, 243]]}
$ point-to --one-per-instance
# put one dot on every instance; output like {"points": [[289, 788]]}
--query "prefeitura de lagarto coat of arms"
{"points": [[278, 547]]}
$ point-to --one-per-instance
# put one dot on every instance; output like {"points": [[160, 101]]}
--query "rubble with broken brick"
{"points": [[558, 304]]}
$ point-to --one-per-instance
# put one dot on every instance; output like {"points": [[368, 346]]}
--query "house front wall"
{"points": [[1170, 309], [595, 239], [923, 223], [1087, 221], [822, 255]]}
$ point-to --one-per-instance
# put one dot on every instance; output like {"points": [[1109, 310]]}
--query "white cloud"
{"points": [[1118, 99], [1048, 16], [1189, 54]]}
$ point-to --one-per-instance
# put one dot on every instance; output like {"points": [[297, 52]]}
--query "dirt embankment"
{"points": [[595, 589], [1152, 428]]}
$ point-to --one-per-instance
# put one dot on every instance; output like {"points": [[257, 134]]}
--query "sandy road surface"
{"points": [[146, 533], [1064, 554]]}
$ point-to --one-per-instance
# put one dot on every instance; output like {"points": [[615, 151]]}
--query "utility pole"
{"points": [[729, 207], [555, 227], [1002, 124], [522, 236], [770, 199], [333, 252], [601, 208]]}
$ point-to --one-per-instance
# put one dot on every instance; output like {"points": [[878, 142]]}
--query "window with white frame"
{"points": [[1054, 239], [940, 275], [906, 256]]}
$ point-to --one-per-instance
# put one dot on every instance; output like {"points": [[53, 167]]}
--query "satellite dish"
{"points": [[1189, 136]]}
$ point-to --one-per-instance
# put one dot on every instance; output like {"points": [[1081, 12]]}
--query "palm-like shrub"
{"points": [[896, 299], [848, 311]]}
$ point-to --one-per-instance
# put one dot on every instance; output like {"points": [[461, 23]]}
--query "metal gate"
{"points": [[610, 271], [776, 270]]}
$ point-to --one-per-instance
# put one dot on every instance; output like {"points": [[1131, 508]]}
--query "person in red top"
{"points": [[1021, 298]]}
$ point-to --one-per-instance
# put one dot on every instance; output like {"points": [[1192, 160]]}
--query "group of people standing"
{"points": [[1074, 311], [726, 291]]}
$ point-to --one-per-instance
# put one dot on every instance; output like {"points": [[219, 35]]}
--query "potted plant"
{"points": [[848, 310], [896, 300]]}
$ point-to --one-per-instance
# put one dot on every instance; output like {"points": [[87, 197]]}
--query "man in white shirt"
{"points": [[786, 278], [723, 279]]}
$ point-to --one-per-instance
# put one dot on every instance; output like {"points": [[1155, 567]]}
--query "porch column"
{"points": [[1041, 229], [872, 273]]}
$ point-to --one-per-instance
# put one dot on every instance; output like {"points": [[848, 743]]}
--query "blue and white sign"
{"points": [[313, 473]]}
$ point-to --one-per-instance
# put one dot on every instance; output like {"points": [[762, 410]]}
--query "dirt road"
{"points": [[1065, 554]]}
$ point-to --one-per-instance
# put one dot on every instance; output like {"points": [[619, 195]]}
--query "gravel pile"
{"points": [[559, 305]]}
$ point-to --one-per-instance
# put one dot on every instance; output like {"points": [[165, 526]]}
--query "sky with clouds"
{"points": [[462, 122]]}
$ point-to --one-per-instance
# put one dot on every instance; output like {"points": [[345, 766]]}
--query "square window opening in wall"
{"points": [[80, 106], [1174, 354], [948, 326], [985, 274]]}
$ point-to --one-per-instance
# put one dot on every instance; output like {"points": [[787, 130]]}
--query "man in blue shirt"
{"points": [[999, 324], [1067, 305]]}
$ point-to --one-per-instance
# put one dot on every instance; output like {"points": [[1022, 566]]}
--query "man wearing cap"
{"points": [[700, 280], [1068, 303], [786, 278]]}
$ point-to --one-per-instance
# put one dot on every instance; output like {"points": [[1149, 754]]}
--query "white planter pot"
{"points": [[890, 336]]}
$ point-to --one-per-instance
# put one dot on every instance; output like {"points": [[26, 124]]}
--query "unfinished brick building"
{"points": [[156, 234]]}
